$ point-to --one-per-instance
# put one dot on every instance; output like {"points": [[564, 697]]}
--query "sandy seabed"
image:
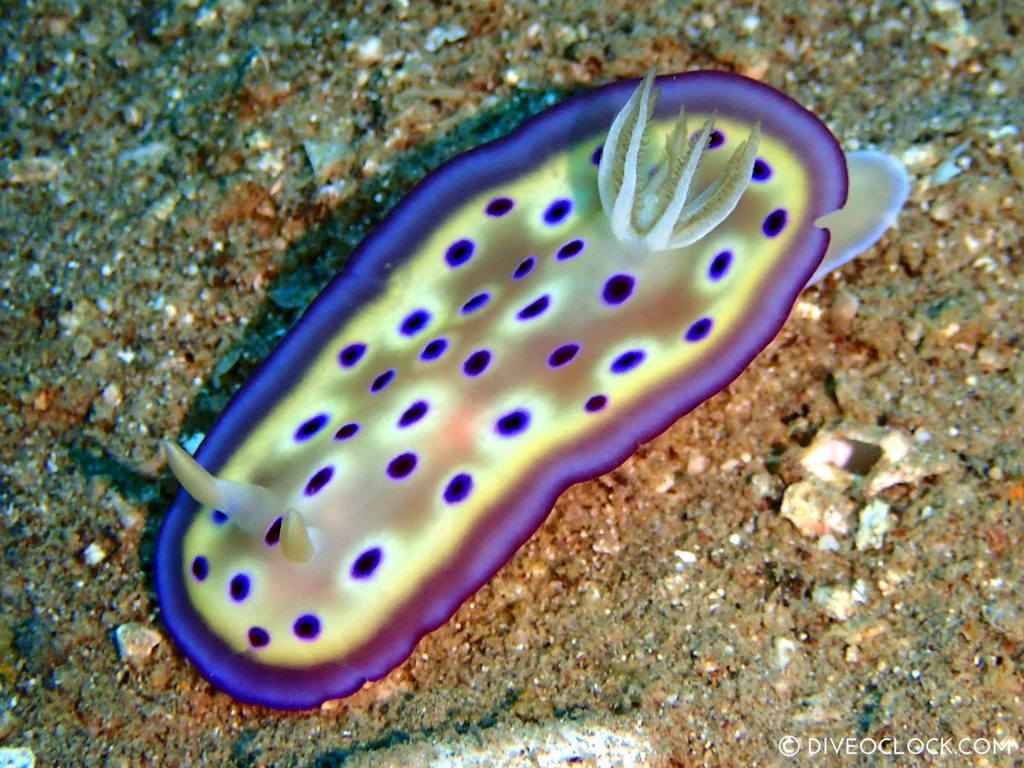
{"points": [[176, 182]]}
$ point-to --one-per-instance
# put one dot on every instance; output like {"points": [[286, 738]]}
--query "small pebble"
{"points": [[439, 36], [696, 464], [784, 650], [843, 310], [17, 757], [325, 157], [369, 51], [135, 642], [875, 521], [94, 554], [840, 602]]}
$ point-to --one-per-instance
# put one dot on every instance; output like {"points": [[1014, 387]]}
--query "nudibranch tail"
{"points": [[878, 188], [249, 506], [661, 214]]}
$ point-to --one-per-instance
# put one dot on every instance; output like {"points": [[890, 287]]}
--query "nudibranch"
{"points": [[522, 319]]}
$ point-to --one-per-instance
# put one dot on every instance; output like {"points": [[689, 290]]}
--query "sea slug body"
{"points": [[526, 316]]}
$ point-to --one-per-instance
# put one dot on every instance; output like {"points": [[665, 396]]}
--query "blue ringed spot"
{"points": [[258, 637], [238, 587], [366, 563], [310, 427], [477, 362], [413, 413], [524, 268], [306, 626], [434, 349], [774, 222], [715, 139], [595, 157], [402, 465], [273, 534], [218, 517], [595, 403], [562, 355], [762, 171], [459, 252], [319, 479], [627, 361], [347, 431], [513, 423], [458, 488], [534, 308], [475, 303], [415, 322], [699, 329], [382, 380], [557, 211], [499, 206], [618, 288], [200, 568], [569, 250], [720, 264], [351, 354]]}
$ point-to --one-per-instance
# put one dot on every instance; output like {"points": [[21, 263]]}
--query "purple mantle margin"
{"points": [[494, 539]]}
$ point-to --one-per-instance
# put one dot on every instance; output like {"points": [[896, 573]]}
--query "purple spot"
{"points": [[311, 427], [562, 355], [459, 252], [238, 587], [595, 403], [513, 423], [200, 568], [382, 380], [595, 158], [499, 206], [627, 361], [218, 517], [570, 249], [413, 413], [307, 626], [319, 479], [715, 139], [699, 329], [618, 288], [273, 534], [415, 322], [477, 362], [258, 637], [402, 466], [524, 268], [351, 354], [557, 211], [346, 431], [762, 171], [774, 222], [720, 265], [475, 303], [458, 488], [534, 308], [366, 563], [434, 349]]}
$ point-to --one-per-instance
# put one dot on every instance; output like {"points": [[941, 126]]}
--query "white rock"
{"points": [[135, 642], [874, 522], [94, 554], [784, 650], [17, 757], [439, 36]]}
